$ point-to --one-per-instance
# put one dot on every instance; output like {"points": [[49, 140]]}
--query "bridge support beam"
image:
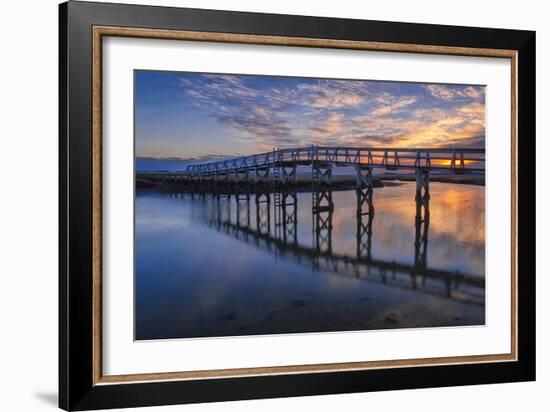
{"points": [[216, 185], [422, 196], [263, 213], [223, 184], [241, 184], [422, 221], [322, 190], [289, 207], [209, 184], [221, 211], [261, 176], [217, 211], [202, 183], [195, 184], [243, 209], [323, 232], [365, 210], [323, 206], [289, 175], [262, 199], [285, 201], [458, 158]]}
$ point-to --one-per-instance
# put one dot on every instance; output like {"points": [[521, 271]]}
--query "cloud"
{"points": [[334, 94], [272, 112], [267, 116], [449, 93], [336, 101], [458, 126], [462, 125], [394, 107]]}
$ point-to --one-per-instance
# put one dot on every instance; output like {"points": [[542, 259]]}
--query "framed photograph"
{"points": [[257, 205]]}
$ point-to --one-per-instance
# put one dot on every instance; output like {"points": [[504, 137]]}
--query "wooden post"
{"points": [[422, 219], [364, 192], [323, 206]]}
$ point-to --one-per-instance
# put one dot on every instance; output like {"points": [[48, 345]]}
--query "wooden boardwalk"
{"points": [[279, 166], [457, 160]]}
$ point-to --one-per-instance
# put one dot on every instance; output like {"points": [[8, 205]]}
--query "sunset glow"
{"points": [[190, 116]]}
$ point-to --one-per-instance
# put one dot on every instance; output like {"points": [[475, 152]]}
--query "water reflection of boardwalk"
{"points": [[250, 225]]}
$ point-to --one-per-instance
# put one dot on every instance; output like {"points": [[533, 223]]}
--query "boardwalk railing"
{"points": [[458, 160]]}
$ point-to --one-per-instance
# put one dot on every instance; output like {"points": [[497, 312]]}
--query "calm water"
{"points": [[202, 269]]}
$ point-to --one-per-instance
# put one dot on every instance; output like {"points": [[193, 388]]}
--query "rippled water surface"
{"points": [[209, 268]]}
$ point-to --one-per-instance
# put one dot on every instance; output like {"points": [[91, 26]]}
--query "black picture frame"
{"points": [[77, 390]]}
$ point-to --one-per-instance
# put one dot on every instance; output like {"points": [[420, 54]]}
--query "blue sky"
{"points": [[197, 116]]}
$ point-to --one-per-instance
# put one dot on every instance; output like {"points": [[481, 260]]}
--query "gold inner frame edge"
{"points": [[101, 31]]}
